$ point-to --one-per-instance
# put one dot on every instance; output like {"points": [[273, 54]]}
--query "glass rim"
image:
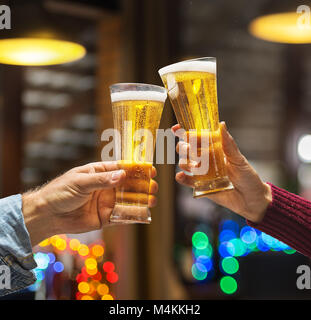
{"points": [[126, 86], [170, 68], [125, 91]]}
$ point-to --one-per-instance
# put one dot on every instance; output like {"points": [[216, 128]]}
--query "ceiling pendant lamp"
{"points": [[36, 38], [284, 22]]}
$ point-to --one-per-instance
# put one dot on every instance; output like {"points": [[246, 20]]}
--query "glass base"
{"points": [[128, 214], [213, 186]]}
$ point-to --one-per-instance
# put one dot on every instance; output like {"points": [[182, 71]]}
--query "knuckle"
{"points": [[103, 179]]}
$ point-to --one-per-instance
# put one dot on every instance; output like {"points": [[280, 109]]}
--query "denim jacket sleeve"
{"points": [[16, 257]]}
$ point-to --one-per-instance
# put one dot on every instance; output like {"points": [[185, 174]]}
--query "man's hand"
{"points": [[80, 200], [250, 196]]}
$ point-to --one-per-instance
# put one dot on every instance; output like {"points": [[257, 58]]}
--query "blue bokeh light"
{"points": [[58, 267]]}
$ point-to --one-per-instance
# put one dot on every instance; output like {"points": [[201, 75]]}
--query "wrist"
{"points": [[266, 201], [38, 221]]}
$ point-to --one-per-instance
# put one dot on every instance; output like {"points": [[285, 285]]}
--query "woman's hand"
{"points": [[250, 196], [78, 201]]}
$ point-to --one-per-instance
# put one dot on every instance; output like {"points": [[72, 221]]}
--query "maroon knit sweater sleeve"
{"points": [[288, 219]]}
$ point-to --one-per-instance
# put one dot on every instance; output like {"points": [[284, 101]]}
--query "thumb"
{"points": [[89, 182], [231, 150]]}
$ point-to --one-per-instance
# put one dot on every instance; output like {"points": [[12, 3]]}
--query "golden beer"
{"points": [[137, 110], [192, 91]]}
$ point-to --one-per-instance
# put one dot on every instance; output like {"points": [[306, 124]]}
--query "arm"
{"points": [[288, 218], [272, 210], [78, 201]]}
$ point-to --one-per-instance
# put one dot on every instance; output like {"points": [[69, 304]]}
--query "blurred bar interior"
{"points": [[52, 117]]}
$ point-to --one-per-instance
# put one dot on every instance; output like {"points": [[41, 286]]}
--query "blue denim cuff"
{"points": [[15, 246]]}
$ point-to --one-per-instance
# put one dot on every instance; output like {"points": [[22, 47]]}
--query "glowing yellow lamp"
{"points": [[288, 27], [38, 52]]}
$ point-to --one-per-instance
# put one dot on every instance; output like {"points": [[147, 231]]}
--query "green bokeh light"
{"points": [[200, 240], [198, 274], [208, 251], [230, 265], [252, 246], [237, 248], [289, 251], [228, 285]]}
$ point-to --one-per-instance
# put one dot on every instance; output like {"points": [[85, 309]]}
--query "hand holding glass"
{"points": [[192, 90]]}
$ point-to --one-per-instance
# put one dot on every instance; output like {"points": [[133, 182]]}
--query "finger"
{"points": [[100, 166], [175, 127], [231, 150], [187, 165], [154, 187], [182, 148], [87, 183], [178, 131], [152, 201], [184, 179], [153, 172]]}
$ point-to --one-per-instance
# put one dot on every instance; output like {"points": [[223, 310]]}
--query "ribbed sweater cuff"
{"points": [[288, 218]]}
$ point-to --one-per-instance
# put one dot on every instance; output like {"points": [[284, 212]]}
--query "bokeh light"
{"points": [[108, 266], [60, 244], [230, 265], [208, 251], [87, 297], [97, 250], [199, 272], [83, 250], [44, 243], [98, 276], [236, 248], [248, 235], [230, 225], [74, 244], [200, 240], [90, 263], [42, 260], [226, 249], [112, 277], [304, 148], [226, 235], [102, 289], [58, 267], [83, 287], [51, 257], [91, 272], [228, 285], [205, 261]]}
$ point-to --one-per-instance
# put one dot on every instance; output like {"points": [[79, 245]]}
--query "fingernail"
{"points": [[194, 164], [187, 173], [225, 125], [116, 175]]}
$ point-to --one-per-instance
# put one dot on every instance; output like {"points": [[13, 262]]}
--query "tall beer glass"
{"points": [[137, 110], [192, 90]]}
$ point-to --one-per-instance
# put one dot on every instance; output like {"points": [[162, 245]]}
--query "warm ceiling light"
{"points": [[39, 37], [38, 52], [281, 27]]}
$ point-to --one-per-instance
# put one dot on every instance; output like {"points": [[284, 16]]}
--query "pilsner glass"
{"points": [[137, 110], [192, 90]]}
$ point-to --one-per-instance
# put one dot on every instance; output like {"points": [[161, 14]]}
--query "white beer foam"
{"points": [[195, 65], [138, 95]]}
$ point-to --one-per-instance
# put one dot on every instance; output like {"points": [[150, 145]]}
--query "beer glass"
{"points": [[137, 110], [192, 90]]}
